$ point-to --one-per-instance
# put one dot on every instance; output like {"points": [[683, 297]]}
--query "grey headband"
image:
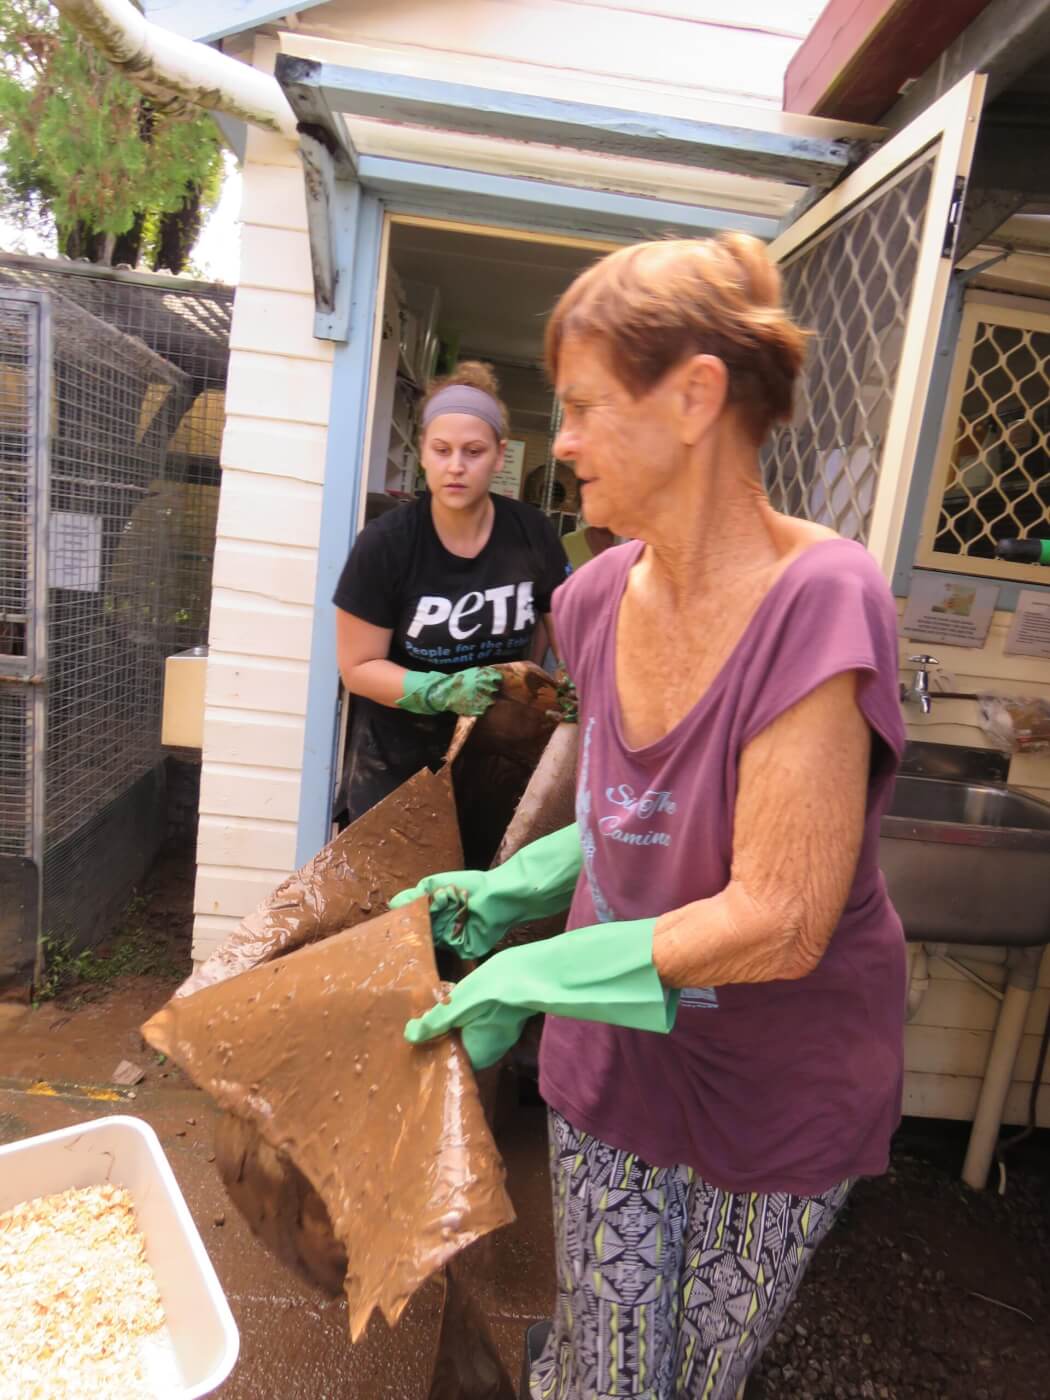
{"points": [[461, 398]]}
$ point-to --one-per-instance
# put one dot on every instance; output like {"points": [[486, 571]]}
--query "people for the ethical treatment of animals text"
{"points": [[722, 1055]]}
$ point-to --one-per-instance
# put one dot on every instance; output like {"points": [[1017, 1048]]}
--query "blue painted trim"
{"points": [[926, 460], [344, 476], [207, 21], [799, 155], [534, 204]]}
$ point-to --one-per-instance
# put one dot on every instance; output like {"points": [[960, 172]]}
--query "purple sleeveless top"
{"points": [[780, 1086]]}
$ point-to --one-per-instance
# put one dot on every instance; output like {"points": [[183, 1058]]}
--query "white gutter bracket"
{"points": [[176, 73]]}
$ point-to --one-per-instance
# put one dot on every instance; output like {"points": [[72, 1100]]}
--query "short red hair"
{"points": [[652, 305]]}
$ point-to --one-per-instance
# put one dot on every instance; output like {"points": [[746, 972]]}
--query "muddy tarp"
{"points": [[495, 763], [411, 833], [309, 1049], [493, 758]]}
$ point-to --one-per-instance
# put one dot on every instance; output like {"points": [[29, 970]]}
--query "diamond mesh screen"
{"points": [[998, 478], [852, 289]]}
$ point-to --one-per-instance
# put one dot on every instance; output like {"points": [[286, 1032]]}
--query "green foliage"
{"points": [[131, 953], [83, 144]]}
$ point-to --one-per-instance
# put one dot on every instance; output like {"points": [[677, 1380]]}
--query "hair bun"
{"points": [[760, 273], [474, 374]]}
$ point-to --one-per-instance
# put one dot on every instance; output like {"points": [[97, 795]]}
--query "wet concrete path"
{"points": [[54, 1072]]}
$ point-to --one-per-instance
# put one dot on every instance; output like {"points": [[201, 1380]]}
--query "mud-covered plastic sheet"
{"points": [[309, 1049], [283, 1180], [408, 835]]}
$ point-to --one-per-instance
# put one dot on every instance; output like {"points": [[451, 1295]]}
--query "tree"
{"points": [[84, 149]]}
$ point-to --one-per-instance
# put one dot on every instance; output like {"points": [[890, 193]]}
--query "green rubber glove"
{"points": [[604, 973], [471, 910], [468, 692]]}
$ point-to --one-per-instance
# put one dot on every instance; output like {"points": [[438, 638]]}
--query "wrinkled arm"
{"points": [[798, 827]]}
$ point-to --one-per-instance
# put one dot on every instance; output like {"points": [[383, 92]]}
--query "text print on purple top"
{"points": [[774, 1086]]}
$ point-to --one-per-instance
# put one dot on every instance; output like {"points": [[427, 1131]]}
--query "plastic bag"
{"points": [[1015, 724]]}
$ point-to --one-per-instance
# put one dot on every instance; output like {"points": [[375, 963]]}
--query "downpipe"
{"points": [[1022, 971], [918, 978], [177, 73]]}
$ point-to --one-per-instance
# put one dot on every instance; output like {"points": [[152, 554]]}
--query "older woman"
{"points": [[740, 732]]}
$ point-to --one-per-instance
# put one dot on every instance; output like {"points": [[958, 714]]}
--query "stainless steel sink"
{"points": [[968, 862]]}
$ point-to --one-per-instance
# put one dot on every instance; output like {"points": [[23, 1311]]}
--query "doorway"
{"points": [[449, 292], [458, 292]]}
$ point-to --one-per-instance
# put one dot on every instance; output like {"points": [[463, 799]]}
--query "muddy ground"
{"points": [[924, 1289]]}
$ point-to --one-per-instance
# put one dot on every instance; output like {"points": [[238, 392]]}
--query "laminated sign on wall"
{"points": [[1030, 630], [955, 612]]}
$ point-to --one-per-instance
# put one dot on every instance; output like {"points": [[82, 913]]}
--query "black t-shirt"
{"points": [[449, 613], [446, 613]]}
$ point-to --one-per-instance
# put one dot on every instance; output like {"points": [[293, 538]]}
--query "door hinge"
{"points": [[951, 228]]}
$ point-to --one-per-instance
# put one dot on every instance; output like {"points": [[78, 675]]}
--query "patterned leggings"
{"points": [[667, 1287]]}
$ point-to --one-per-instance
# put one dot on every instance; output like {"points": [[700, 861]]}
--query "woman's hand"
{"points": [[604, 973], [797, 832], [362, 651], [468, 692], [458, 917], [471, 910]]}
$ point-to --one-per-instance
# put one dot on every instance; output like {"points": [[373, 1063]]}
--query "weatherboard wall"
{"points": [[265, 557]]}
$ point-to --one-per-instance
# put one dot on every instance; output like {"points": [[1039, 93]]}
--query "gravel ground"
{"points": [[889, 1308]]}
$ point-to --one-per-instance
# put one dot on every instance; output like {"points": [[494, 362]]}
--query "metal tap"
{"points": [[920, 684]]}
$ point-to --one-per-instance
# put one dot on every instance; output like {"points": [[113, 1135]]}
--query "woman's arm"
{"points": [[362, 651], [542, 639], [798, 827]]}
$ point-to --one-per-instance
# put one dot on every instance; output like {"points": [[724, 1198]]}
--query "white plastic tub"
{"points": [[125, 1152]]}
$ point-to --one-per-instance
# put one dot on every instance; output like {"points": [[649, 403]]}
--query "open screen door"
{"points": [[866, 272]]}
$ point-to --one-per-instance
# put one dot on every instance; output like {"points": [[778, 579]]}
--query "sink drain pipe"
{"points": [[918, 978], [1022, 971]]}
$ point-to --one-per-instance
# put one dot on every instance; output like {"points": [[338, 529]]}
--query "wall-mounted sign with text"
{"points": [[954, 612], [1029, 633]]}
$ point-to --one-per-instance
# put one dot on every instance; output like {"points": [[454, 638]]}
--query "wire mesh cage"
{"points": [[108, 496], [992, 477], [851, 288], [188, 324], [21, 456]]}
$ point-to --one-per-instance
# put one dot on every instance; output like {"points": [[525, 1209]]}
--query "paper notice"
{"points": [[74, 551], [1029, 633], [507, 481], [955, 612]]}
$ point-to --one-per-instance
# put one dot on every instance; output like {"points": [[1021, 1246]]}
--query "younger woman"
{"points": [[436, 593]]}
